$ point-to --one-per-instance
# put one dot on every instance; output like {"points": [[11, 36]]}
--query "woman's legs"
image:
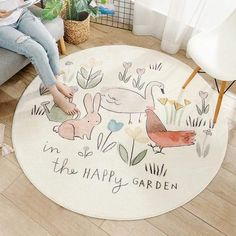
{"points": [[16, 41], [33, 27]]}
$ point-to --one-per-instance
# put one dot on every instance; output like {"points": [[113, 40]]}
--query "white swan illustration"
{"points": [[122, 100]]}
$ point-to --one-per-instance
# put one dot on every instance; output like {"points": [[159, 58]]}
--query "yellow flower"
{"points": [[187, 102], [178, 106], [136, 134], [163, 101], [171, 102]]}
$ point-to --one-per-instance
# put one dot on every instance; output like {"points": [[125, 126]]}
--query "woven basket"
{"points": [[77, 32]]}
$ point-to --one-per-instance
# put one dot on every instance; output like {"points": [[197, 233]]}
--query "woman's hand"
{"points": [[4, 14]]}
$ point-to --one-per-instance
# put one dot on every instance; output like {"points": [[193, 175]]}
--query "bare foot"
{"points": [[62, 102], [64, 89]]}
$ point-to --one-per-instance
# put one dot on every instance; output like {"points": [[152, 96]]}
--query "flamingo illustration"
{"points": [[122, 100]]}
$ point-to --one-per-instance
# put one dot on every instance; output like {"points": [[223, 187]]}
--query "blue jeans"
{"points": [[29, 37]]}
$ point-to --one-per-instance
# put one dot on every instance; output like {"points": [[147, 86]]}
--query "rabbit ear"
{"points": [[88, 103], [96, 102]]}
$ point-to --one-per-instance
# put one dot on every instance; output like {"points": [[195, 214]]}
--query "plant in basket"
{"points": [[76, 15]]}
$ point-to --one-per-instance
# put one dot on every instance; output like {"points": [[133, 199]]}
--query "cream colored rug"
{"points": [[140, 146]]}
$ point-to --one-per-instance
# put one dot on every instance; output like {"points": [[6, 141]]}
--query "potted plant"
{"points": [[76, 15]]}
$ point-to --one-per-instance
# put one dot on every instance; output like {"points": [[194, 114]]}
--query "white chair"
{"points": [[214, 52]]}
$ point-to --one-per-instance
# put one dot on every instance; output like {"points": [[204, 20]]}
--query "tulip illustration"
{"points": [[203, 150], [113, 126], [137, 135], [123, 77], [205, 108], [136, 82]]}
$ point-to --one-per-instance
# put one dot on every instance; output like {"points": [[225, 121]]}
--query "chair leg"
{"points": [[219, 101], [62, 46], [191, 77]]}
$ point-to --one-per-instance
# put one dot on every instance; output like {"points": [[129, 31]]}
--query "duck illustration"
{"points": [[123, 100]]}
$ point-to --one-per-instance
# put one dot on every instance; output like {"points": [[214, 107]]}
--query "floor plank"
{"points": [[181, 222], [54, 218], [215, 211], [14, 223], [9, 173], [131, 228]]}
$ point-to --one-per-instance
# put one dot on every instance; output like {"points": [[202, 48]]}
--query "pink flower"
{"points": [[140, 71], [203, 95], [127, 65]]}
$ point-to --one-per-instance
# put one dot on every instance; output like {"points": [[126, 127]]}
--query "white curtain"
{"points": [[175, 21]]}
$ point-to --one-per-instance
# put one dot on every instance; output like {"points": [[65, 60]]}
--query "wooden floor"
{"points": [[25, 211]]}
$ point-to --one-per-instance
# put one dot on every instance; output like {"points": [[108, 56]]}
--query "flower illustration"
{"points": [[163, 101], [114, 126], [127, 65], [137, 135], [207, 132], [123, 76], [140, 71], [203, 150], [204, 108], [203, 95], [178, 106], [187, 102]]}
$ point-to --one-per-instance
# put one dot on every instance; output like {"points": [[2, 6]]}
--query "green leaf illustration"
{"points": [[141, 86], [109, 147], [123, 153], [127, 79], [206, 110], [199, 110], [134, 83], [81, 81], [99, 140], [206, 151], [93, 83], [198, 149], [84, 73], [120, 76], [139, 157], [95, 74]]}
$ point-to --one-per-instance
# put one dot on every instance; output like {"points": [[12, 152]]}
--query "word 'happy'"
{"points": [[104, 175]]}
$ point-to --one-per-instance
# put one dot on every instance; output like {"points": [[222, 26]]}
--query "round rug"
{"points": [[139, 147]]}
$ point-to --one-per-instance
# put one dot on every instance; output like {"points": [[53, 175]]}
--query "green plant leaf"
{"points": [[199, 110], [120, 76], [139, 157], [99, 140], [206, 110], [206, 151], [95, 74], [123, 153], [81, 81], [198, 149], [84, 73], [93, 83], [109, 147], [52, 9]]}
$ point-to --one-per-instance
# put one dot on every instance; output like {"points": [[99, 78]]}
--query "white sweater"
{"points": [[9, 5]]}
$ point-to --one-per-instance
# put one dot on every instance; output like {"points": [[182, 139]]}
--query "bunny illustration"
{"points": [[84, 126]]}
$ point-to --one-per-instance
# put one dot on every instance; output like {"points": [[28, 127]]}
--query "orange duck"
{"points": [[163, 138]]}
